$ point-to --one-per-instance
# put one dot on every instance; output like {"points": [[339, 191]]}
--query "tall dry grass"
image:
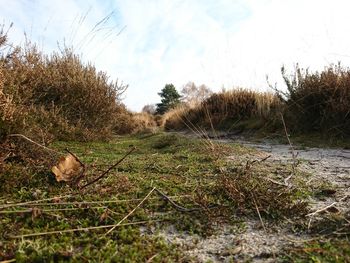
{"points": [[57, 96], [221, 110], [316, 102], [319, 101], [144, 122]]}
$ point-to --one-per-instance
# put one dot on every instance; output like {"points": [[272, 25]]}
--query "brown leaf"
{"points": [[67, 169]]}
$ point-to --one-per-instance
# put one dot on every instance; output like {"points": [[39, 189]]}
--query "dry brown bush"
{"points": [[319, 101], [58, 96], [225, 107], [144, 122]]}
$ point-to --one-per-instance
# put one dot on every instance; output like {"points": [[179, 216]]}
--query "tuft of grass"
{"points": [[248, 189]]}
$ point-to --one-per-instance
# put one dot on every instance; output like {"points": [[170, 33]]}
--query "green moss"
{"points": [[174, 164], [320, 251]]}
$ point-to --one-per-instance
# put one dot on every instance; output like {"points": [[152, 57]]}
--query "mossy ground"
{"points": [[195, 172]]}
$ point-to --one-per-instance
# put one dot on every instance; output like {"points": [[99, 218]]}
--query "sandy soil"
{"points": [[254, 243]]}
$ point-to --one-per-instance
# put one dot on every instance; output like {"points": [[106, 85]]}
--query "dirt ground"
{"points": [[252, 242]]}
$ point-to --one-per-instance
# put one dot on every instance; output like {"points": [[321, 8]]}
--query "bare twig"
{"points": [[176, 206], [260, 161], [257, 210], [151, 258], [30, 210], [275, 182], [132, 211], [327, 207], [75, 157], [85, 229], [323, 209], [109, 169], [292, 148], [37, 203], [37, 144], [33, 202]]}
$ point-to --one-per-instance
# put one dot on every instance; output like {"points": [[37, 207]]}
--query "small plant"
{"points": [[250, 192]]}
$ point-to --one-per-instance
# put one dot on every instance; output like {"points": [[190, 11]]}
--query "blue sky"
{"points": [[220, 43]]}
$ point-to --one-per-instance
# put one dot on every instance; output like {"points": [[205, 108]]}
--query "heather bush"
{"points": [[57, 96], [223, 109], [320, 101]]}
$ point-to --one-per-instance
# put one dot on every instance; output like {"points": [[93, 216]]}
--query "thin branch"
{"points": [[75, 157], [132, 211], [292, 148], [109, 169], [37, 144], [176, 206], [84, 229], [275, 182], [260, 161], [327, 207], [49, 210], [82, 203], [257, 210], [33, 202]]}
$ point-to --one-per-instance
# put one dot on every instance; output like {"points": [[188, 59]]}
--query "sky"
{"points": [[220, 43]]}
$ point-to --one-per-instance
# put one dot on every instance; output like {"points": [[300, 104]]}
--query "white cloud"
{"points": [[216, 42]]}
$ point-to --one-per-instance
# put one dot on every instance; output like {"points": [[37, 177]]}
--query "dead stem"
{"points": [[109, 169], [84, 202], [37, 144], [85, 229], [131, 212], [292, 148]]}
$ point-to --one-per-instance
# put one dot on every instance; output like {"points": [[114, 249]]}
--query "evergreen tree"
{"points": [[170, 98]]}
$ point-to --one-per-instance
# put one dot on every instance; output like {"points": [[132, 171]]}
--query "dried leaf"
{"points": [[67, 169]]}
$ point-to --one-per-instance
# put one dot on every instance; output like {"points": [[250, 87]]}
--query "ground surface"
{"points": [[218, 201], [327, 167]]}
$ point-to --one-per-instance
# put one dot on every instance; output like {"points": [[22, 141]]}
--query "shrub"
{"points": [[319, 101], [58, 96], [144, 122], [225, 108]]}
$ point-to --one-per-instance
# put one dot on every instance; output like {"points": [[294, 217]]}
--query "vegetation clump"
{"points": [[226, 109], [318, 102], [57, 96], [250, 192], [314, 103]]}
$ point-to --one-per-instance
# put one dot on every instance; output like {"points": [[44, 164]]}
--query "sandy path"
{"points": [[254, 243]]}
